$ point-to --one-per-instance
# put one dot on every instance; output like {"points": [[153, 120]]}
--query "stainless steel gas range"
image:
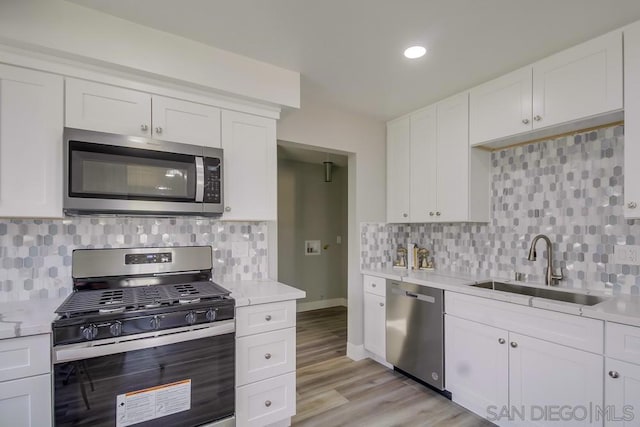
{"points": [[145, 339]]}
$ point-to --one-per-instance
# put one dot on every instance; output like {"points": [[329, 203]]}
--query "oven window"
{"points": [[99, 171], [88, 391]]}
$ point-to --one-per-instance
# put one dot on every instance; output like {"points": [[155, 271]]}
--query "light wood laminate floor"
{"points": [[333, 390]]}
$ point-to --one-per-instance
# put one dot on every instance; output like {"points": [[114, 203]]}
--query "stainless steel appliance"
{"points": [[107, 173], [146, 338], [415, 331]]}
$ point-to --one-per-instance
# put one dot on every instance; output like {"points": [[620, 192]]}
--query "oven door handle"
{"points": [[71, 352], [199, 179]]}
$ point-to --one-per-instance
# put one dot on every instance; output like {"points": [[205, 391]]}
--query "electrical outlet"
{"points": [[627, 254], [339, 240]]}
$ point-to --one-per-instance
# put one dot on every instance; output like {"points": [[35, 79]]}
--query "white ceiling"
{"points": [[349, 52], [300, 153]]}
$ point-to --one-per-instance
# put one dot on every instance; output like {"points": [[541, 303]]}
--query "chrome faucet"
{"points": [[549, 277]]}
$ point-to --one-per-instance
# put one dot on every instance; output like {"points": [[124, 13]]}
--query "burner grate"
{"points": [[109, 300]]}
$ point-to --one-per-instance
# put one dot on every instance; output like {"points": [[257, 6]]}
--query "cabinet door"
{"points": [[423, 165], [250, 167], [398, 170], [579, 82], [543, 374], [374, 324], [105, 108], [452, 187], [26, 402], [187, 122], [501, 107], [266, 402], [31, 122], [476, 365], [632, 121], [622, 393]]}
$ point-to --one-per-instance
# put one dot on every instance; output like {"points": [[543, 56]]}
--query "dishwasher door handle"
{"points": [[408, 294]]}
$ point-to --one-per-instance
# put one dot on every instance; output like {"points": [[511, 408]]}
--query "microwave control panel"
{"points": [[212, 180]]}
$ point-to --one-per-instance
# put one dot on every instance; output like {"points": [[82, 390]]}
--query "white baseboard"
{"points": [[356, 352], [378, 359], [323, 303]]}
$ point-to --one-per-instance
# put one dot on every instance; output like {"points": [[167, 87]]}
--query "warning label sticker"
{"points": [[154, 402]]}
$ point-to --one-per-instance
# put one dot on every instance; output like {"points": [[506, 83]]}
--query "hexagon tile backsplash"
{"points": [[36, 254], [569, 188]]}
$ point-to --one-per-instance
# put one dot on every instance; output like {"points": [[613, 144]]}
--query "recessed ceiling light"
{"points": [[414, 52]]}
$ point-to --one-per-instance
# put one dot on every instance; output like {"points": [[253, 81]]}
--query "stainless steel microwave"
{"points": [[115, 174]]}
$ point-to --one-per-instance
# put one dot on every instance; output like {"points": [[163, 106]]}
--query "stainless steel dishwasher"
{"points": [[415, 331]]}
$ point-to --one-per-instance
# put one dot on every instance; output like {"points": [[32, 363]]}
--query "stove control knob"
{"points": [[155, 322], [116, 328], [90, 332], [211, 315], [191, 317]]}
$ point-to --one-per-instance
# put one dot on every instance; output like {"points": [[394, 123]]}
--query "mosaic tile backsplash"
{"points": [[570, 189], [35, 255]]}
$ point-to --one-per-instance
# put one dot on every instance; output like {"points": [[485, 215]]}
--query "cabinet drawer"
{"points": [[375, 285], [623, 342], [255, 319], [561, 328], [24, 357], [267, 401], [267, 355], [26, 402]]}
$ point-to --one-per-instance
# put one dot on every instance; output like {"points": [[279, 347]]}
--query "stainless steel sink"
{"points": [[552, 294]]}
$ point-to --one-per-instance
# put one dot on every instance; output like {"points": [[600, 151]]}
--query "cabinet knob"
{"points": [[430, 213], [144, 128], [373, 285], [632, 205], [614, 374], [267, 317], [267, 403], [437, 213], [514, 344], [537, 118], [267, 356], [227, 209], [525, 121], [501, 340], [381, 304], [158, 130], [405, 215]]}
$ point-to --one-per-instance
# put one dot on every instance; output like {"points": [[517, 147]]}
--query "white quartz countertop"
{"points": [[622, 308], [22, 318], [251, 292]]}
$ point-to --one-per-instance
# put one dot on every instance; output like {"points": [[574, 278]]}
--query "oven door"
{"points": [[171, 379], [118, 174]]}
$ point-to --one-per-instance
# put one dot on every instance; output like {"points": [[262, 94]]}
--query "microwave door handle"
{"points": [[199, 179]]}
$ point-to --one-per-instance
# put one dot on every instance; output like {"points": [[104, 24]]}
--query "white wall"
{"points": [[324, 126], [75, 32]]}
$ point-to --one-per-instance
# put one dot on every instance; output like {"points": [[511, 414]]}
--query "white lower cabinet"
{"points": [[265, 364], [25, 382], [375, 316], [622, 375], [516, 379]]}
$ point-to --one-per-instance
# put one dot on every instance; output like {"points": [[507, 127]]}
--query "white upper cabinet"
{"points": [[632, 121], [398, 169], [576, 88], [423, 165], [31, 119], [187, 122], [579, 82], [250, 167], [104, 108], [501, 107]]}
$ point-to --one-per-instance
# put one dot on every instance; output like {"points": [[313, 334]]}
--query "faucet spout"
{"points": [[549, 278]]}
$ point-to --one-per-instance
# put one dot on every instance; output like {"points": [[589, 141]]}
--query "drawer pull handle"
{"points": [[501, 340], [373, 285], [267, 403], [267, 317], [614, 374], [514, 344], [267, 356]]}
